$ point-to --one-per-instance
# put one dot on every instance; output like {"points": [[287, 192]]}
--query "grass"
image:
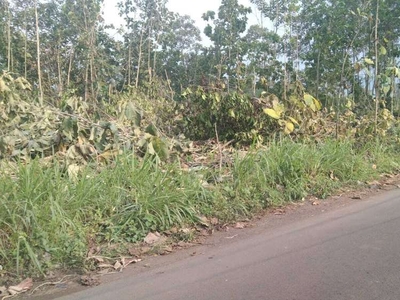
{"points": [[49, 221]]}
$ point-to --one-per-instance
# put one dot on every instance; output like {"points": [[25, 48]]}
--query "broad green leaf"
{"points": [[151, 129], [386, 89], [383, 50], [368, 61], [150, 149], [272, 113], [308, 99], [160, 147]]}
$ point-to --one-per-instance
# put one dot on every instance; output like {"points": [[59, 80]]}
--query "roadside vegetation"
{"points": [[104, 141], [49, 221]]}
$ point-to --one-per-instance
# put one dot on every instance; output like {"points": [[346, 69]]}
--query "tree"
{"points": [[178, 44], [225, 31], [263, 48]]}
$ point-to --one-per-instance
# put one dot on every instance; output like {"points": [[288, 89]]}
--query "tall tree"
{"points": [[38, 55], [225, 30]]}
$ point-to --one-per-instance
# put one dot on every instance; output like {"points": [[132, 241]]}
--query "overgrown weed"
{"points": [[48, 220]]}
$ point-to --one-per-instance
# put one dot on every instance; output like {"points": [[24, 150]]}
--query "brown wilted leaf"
{"points": [[3, 291], [204, 221], [135, 251], [185, 230], [118, 266], [152, 238], [315, 203], [214, 221], [166, 250], [145, 249], [105, 266], [240, 225], [127, 261], [22, 287]]}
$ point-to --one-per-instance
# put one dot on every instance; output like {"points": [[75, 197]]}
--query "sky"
{"points": [[193, 8]]}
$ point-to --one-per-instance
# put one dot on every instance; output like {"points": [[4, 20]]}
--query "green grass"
{"points": [[49, 221]]}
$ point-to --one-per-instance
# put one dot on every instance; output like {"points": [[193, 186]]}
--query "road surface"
{"points": [[352, 252]]}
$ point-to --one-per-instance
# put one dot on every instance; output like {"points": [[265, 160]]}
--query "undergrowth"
{"points": [[48, 220]]}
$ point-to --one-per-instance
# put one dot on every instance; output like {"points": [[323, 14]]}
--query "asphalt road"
{"points": [[348, 253]]}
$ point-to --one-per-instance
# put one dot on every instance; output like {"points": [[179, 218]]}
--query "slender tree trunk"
{"points": [[149, 56], [377, 81], [139, 58], [318, 73], [129, 62], [8, 38], [86, 96], [38, 56], [93, 75], [60, 81], [393, 94], [26, 51], [71, 57]]}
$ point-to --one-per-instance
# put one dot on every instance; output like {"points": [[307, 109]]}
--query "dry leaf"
{"points": [[239, 225], [167, 249], [185, 230], [204, 221], [103, 266], [135, 251], [315, 203], [152, 238], [3, 291], [99, 259], [118, 266], [127, 261], [145, 249], [21, 287], [214, 221]]}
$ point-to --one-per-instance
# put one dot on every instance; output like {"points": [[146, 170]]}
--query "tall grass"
{"points": [[49, 221]]}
